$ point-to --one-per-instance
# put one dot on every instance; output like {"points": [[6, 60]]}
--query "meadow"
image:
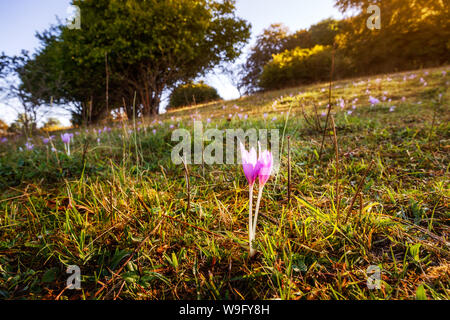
{"points": [[117, 207]]}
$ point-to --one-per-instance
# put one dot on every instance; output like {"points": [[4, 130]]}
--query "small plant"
{"points": [[66, 137], [260, 168]]}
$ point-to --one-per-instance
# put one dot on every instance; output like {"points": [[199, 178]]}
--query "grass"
{"points": [[118, 208]]}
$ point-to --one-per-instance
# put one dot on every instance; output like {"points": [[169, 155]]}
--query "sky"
{"points": [[21, 19]]}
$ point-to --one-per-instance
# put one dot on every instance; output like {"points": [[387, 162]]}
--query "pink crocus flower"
{"points": [[265, 164], [260, 168], [373, 101], [66, 137], [29, 146], [249, 164]]}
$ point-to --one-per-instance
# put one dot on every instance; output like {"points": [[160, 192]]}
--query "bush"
{"points": [[297, 67], [192, 93]]}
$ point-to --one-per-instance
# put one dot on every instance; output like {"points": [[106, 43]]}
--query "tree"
{"points": [[3, 127], [413, 34], [192, 93], [24, 81], [51, 123], [271, 41], [324, 32], [147, 47], [23, 123], [296, 67], [277, 39]]}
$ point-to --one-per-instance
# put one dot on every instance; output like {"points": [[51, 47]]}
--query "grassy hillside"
{"points": [[117, 206]]}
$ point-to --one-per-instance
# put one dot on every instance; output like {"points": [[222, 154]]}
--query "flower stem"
{"points": [[257, 209], [250, 210]]}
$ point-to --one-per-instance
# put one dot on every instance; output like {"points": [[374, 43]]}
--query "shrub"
{"points": [[296, 67], [192, 93]]}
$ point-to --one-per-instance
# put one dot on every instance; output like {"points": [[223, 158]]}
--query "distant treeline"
{"points": [[412, 34], [128, 53]]}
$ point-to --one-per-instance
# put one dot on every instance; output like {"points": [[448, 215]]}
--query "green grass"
{"points": [[118, 208]]}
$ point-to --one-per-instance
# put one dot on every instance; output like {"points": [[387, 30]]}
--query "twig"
{"points": [[358, 190], [337, 169], [274, 221], [360, 207], [63, 290], [188, 187], [289, 169], [329, 101], [85, 148]]}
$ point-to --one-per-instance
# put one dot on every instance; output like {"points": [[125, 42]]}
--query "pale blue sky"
{"points": [[20, 19]]}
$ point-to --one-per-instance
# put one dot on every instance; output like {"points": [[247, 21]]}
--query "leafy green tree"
{"points": [[23, 124], [192, 93], [296, 67], [413, 34], [51, 123], [271, 41], [24, 81], [324, 32], [3, 127], [277, 39], [141, 48]]}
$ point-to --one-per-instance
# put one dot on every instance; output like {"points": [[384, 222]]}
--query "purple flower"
{"points": [[373, 101], [265, 164], [391, 109], [249, 164], [253, 168], [29, 146], [3, 140], [66, 137]]}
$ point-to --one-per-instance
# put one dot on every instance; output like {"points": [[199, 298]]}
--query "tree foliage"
{"points": [[277, 39], [413, 34], [296, 67], [140, 48], [192, 93]]}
